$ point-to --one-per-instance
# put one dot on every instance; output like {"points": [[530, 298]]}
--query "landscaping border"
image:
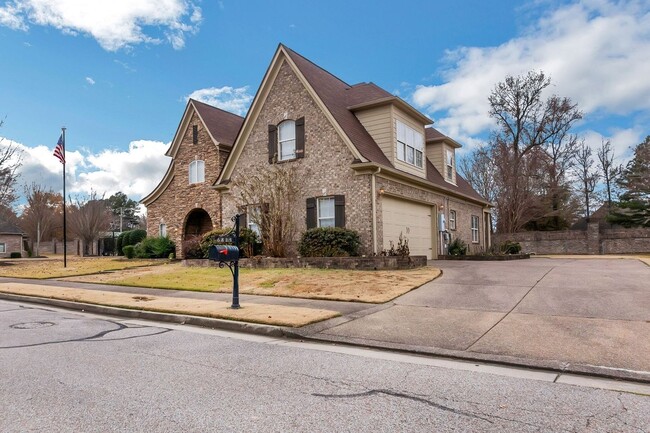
{"points": [[487, 258], [360, 263]]}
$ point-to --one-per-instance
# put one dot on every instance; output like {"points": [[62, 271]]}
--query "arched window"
{"points": [[286, 140], [197, 171]]}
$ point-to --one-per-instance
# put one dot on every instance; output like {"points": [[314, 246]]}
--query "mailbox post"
{"points": [[228, 255]]}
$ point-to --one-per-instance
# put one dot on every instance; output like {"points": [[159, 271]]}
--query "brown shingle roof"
{"points": [[432, 134], [461, 187], [334, 93], [223, 126], [7, 228]]}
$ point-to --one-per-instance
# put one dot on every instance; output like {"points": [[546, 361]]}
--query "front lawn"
{"points": [[330, 284], [53, 268]]}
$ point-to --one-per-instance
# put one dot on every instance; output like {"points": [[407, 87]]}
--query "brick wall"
{"points": [[180, 198], [324, 170], [594, 240]]}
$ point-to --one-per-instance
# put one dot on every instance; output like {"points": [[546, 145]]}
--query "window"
{"points": [[287, 140], [197, 171], [326, 212], [452, 220], [450, 165], [253, 218], [410, 145], [3, 248], [162, 230], [474, 229]]}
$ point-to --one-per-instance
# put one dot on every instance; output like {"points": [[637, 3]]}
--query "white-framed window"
{"points": [[410, 145], [449, 164], [3, 248], [452, 220], [197, 171], [162, 230], [286, 140], [325, 209], [253, 218], [475, 221]]}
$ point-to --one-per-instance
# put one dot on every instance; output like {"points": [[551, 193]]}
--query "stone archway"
{"points": [[197, 223]]}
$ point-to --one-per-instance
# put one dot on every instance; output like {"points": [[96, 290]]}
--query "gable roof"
{"points": [[462, 186], [7, 228], [432, 135], [222, 126]]}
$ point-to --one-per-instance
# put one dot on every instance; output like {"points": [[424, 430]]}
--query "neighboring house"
{"points": [[366, 159], [184, 205], [599, 216], [11, 239]]}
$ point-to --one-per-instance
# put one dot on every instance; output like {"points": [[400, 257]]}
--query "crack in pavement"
{"points": [[94, 338], [405, 396]]}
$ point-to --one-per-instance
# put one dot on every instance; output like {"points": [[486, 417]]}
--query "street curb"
{"points": [[307, 333], [183, 319]]}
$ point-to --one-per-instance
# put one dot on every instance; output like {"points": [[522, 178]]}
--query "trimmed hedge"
{"points": [[329, 242], [15, 255], [130, 237], [154, 248], [129, 251]]}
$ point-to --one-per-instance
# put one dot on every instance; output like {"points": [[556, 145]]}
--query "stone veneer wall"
{"points": [[591, 241], [180, 198], [324, 170], [361, 263]]}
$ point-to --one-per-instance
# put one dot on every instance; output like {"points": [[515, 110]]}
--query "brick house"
{"points": [[367, 159], [11, 239]]}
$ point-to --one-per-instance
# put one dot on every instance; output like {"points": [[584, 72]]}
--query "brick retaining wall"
{"points": [[594, 240]]}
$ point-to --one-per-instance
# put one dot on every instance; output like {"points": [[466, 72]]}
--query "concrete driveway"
{"points": [[579, 314]]}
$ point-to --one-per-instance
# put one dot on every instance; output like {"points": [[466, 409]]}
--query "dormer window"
{"points": [[449, 165], [410, 145], [197, 171], [287, 140]]}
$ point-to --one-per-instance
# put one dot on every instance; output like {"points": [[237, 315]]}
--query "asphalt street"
{"points": [[66, 371]]}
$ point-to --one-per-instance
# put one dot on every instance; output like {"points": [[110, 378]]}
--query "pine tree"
{"points": [[633, 208]]}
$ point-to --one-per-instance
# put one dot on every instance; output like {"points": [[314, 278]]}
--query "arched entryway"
{"points": [[197, 223]]}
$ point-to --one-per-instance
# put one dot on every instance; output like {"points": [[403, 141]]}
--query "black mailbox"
{"points": [[223, 253]]}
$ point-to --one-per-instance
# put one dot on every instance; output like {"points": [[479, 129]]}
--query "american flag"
{"points": [[59, 151]]}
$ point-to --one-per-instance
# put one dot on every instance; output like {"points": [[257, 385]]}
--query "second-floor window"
{"points": [[410, 145], [449, 165], [197, 171], [286, 140]]}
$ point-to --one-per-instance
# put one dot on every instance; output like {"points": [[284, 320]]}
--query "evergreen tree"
{"points": [[633, 208]]}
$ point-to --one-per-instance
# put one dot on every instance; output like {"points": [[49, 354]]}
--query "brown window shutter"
{"points": [[273, 143], [243, 217], [311, 213], [339, 210], [195, 134], [300, 138]]}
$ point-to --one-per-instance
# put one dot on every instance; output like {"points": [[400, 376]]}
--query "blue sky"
{"points": [[118, 76]]}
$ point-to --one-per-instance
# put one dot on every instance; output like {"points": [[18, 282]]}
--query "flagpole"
{"points": [[65, 237]]}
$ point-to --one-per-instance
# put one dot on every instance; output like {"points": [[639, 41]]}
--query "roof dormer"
{"points": [[441, 150]]}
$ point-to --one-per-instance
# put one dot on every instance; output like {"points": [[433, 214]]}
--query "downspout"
{"points": [[374, 210]]}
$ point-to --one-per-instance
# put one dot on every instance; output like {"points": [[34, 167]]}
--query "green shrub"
{"points": [[457, 248], [154, 248], [129, 251], [15, 255], [249, 243], [510, 247], [209, 239], [130, 237], [329, 242]]}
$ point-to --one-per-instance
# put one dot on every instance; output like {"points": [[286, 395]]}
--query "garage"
{"points": [[414, 220]]}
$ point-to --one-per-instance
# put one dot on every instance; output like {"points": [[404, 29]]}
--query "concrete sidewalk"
{"points": [[581, 316]]}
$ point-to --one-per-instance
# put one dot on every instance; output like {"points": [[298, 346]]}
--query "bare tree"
{"points": [[587, 176], [87, 217], [525, 122], [270, 196], [479, 169], [41, 214], [10, 161], [608, 170]]}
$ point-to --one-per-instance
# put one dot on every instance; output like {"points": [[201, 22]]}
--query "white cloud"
{"points": [[135, 172], [235, 100], [597, 52], [90, 81], [114, 24]]}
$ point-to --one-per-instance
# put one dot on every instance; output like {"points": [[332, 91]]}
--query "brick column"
{"points": [[593, 238]]}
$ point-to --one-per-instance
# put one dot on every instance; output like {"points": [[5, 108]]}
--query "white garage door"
{"points": [[411, 219]]}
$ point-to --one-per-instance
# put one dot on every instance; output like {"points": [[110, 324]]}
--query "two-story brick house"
{"points": [[367, 160]]}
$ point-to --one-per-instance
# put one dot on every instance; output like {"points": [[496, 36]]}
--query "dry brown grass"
{"points": [[256, 313], [53, 268], [329, 284]]}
